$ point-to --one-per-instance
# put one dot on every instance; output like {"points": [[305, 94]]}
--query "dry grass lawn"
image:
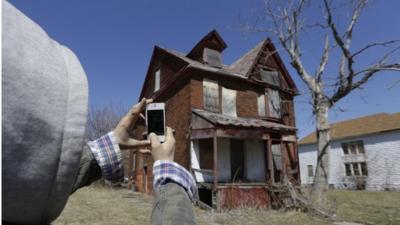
{"points": [[96, 205]]}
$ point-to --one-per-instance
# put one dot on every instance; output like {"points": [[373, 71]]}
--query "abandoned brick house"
{"points": [[235, 124]]}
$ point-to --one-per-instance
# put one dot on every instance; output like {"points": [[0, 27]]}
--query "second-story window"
{"points": [[353, 148], [157, 80], [274, 103], [229, 102], [210, 95]]}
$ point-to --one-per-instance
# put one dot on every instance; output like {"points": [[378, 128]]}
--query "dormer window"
{"points": [[157, 80], [212, 57], [270, 76]]}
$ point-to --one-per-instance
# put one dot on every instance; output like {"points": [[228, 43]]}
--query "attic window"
{"points": [[210, 95], [270, 76], [157, 80], [212, 57]]}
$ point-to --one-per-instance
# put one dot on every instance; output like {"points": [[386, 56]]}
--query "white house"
{"points": [[365, 153]]}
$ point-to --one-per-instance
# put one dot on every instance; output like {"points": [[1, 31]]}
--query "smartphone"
{"points": [[155, 120]]}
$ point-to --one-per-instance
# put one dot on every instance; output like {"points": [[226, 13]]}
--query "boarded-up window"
{"points": [[210, 95], [206, 153], [274, 103], [277, 156], [229, 102], [212, 57], [261, 105], [270, 77], [157, 80]]}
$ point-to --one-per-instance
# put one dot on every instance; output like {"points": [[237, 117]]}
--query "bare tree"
{"points": [[287, 22], [102, 120]]}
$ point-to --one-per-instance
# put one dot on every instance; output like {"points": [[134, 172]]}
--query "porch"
{"points": [[235, 160]]}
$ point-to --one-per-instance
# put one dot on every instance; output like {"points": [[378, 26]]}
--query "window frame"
{"points": [[353, 148], [356, 169]]}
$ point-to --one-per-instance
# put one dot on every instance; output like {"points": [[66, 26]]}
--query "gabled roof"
{"points": [[239, 69], [377, 123], [245, 63], [224, 120]]}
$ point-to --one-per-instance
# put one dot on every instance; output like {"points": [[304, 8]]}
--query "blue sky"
{"points": [[114, 41]]}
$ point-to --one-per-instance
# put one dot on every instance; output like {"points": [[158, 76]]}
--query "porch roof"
{"points": [[224, 120]]}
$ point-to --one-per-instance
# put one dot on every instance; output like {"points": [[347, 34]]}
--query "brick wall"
{"points": [[178, 114]]}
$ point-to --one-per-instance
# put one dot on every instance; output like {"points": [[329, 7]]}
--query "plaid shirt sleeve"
{"points": [[165, 169], [108, 155]]}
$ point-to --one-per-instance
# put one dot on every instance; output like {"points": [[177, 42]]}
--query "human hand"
{"points": [[121, 132], [164, 151]]}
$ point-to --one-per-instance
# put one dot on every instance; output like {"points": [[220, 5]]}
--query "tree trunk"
{"points": [[323, 142]]}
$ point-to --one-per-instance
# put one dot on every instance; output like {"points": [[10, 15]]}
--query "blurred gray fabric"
{"points": [[45, 98]]}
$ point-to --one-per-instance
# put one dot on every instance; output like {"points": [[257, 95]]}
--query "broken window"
{"points": [[270, 76], [229, 102], [157, 80], [277, 155], [261, 105], [206, 153], [274, 103], [210, 95], [310, 171]]}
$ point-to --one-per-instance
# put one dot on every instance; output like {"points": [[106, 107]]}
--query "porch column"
{"points": [[215, 164]]}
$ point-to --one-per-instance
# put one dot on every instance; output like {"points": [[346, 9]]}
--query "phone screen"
{"points": [[155, 121]]}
